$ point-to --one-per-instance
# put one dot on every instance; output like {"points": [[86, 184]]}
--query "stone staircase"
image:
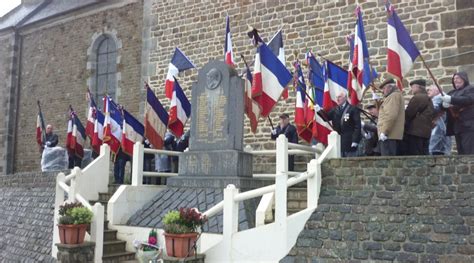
{"points": [[114, 249]]}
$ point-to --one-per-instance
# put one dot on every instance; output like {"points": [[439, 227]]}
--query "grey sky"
{"points": [[7, 5]]}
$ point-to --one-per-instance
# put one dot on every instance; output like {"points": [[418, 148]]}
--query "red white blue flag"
{"points": [[40, 128], [360, 69], [76, 135], [156, 120], [91, 115], [252, 109], [98, 136], [112, 125], [270, 79], [133, 131], [180, 111], [402, 51], [304, 113], [228, 54], [335, 83], [179, 62], [321, 129], [276, 45]]}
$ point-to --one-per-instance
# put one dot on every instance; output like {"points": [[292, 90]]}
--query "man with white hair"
{"points": [[345, 119], [440, 144]]}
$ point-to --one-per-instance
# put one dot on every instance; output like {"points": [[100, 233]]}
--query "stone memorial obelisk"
{"points": [[216, 157]]}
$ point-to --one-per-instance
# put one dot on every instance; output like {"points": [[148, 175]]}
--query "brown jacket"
{"points": [[391, 120], [419, 115]]}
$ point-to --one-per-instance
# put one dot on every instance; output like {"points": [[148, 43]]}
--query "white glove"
{"points": [[354, 145], [274, 131], [317, 108], [368, 135], [48, 143], [446, 105], [446, 98], [362, 124], [383, 137], [375, 96]]}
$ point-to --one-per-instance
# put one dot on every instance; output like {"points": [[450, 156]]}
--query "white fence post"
{"points": [[314, 183], [231, 218], [281, 179], [59, 199], [137, 164], [75, 181], [105, 151], [97, 231], [334, 140]]}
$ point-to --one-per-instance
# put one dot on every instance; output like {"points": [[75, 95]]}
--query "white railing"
{"points": [[137, 164], [238, 246], [84, 186]]}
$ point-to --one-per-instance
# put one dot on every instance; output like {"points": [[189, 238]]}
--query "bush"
{"points": [[186, 220], [74, 214]]}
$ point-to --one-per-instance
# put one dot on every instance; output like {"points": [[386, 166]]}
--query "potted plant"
{"points": [[149, 250], [181, 231], [73, 222]]}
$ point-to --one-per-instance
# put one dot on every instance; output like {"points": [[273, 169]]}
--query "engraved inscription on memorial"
{"points": [[211, 118]]}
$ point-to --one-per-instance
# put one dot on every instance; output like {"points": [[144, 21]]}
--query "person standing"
{"points": [[163, 161], [50, 139], [290, 133], [418, 119], [390, 125], [369, 130], [460, 102], [440, 144], [345, 119]]}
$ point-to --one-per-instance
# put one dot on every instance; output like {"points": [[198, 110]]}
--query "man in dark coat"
{"points": [[345, 119], [369, 130], [290, 132], [418, 120], [51, 139], [460, 102]]}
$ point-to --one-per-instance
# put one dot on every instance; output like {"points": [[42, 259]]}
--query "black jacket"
{"points": [[346, 122], [52, 139], [461, 115], [289, 131]]}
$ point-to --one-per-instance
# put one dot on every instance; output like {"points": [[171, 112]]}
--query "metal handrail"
{"points": [[159, 174], [165, 152]]}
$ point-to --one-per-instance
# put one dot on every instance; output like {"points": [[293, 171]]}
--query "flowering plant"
{"points": [[186, 220], [150, 245], [74, 214]]}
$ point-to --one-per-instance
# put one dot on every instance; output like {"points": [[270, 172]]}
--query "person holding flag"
{"points": [[50, 138], [290, 133]]}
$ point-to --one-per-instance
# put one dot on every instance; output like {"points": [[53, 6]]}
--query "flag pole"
{"points": [[432, 76], [247, 66], [43, 128]]}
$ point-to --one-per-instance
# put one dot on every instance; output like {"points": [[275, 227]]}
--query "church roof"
{"points": [[33, 11]]}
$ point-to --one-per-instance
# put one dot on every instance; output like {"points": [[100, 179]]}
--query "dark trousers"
{"points": [[414, 145], [119, 168], [465, 142], [74, 161], [389, 147], [291, 162]]}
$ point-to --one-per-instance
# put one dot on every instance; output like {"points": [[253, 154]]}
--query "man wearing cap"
{"points": [[460, 102], [391, 120], [418, 120], [345, 119], [289, 131]]}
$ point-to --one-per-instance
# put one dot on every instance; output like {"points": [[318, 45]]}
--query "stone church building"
{"points": [[54, 50]]}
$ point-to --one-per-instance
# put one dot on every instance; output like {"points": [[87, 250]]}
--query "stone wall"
{"points": [[54, 70], [412, 209], [198, 27], [26, 217]]}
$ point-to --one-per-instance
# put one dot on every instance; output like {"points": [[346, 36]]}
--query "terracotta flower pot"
{"points": [[180, 245], [72, 234]]}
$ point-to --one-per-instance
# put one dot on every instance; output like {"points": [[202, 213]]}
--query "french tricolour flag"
{"points": [[252, 109], [91, 115], [98, 136], [402, 51], [180, 111], [156, 120], [276, 45], [270, 79], [78, 136], [303, 116], [321, 129], [69, 142], [112, 125], [361, 70], [179, 63], [133, 131], [336, 81], [228, 54], [40, 127]]}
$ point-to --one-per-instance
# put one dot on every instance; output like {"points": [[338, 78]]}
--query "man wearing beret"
{"points": [[291, 134], [418, 120], [390, 125]]}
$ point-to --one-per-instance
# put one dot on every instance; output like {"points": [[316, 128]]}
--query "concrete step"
{"points": [[119, 257], [110, 235], [114, 246]]}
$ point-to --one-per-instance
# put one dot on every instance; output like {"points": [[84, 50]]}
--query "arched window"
{"points": [[106, 68]]}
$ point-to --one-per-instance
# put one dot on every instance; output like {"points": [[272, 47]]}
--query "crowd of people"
{"points": [[424, 126]]}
